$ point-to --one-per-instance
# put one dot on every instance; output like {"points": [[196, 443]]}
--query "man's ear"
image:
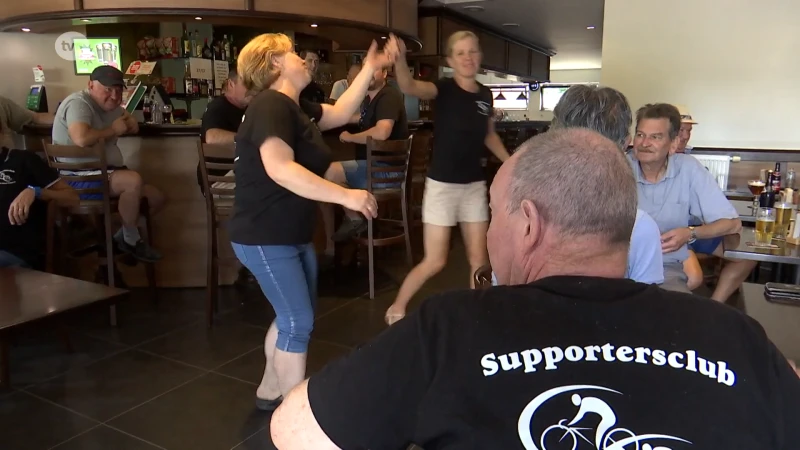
{"points": [[673, 147], [531, 222], [628, 141]]}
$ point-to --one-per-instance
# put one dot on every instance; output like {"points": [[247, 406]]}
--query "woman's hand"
{"points": [[361, 201], [395, 48]]}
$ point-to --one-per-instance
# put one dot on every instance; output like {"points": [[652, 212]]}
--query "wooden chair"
{"points": [[219, 208], [397, 153], [94, 159], [483, 277]]}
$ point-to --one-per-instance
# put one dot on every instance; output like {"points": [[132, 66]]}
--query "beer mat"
{"points": [[753, 244]]}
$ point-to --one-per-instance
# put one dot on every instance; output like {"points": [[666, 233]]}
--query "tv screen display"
{"points": [[91, 53]]}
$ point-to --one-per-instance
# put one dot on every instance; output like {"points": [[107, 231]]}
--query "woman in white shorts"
{"points": [[455, 190]]}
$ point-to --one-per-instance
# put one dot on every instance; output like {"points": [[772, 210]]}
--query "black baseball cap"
{"points": [[108, 76]]}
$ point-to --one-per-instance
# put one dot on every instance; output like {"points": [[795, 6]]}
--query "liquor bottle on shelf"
{"points": [[207, 50], [188, 83], [192, 44], [198, 45], [226, 45], [776, 178], [203, 88], [234, 50], [186, 45], [216, 48]]}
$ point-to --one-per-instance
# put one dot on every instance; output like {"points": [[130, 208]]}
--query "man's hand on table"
{"points": [[674, 239], [20, 207]]}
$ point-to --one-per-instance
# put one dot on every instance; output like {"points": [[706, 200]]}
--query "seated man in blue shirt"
{"points": [[673, 188], [606, 111]]}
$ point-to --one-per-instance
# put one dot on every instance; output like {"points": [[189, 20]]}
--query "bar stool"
{"points": [[380, 153], [94, 159], [219, 193]]}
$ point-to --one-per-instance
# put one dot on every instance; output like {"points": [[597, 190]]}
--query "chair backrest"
{"points": [[390, 159], [420, 154], [217, 157], [85, 168]]}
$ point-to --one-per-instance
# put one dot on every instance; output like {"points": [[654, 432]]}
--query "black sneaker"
{"points": [[140, 251], [349, 229]]}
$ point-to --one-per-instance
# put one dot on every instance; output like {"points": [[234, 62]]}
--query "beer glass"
{"points": [[765, 226], [783, 215], [756, 188]]}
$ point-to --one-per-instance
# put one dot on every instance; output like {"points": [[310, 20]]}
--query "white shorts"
{"points": [[448, 204]]}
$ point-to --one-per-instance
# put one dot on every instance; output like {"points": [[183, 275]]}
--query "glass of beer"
{"points": [[783, 215], [756, 188], [765, 226]]}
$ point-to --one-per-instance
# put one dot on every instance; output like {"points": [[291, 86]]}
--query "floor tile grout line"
{"points": [[248, 437], [156, 397], [148, 352], [46, 400], [77, 436], [233, 378], [160, 336], [260, 346], [47, 380], [348, 302], [134, 436]]}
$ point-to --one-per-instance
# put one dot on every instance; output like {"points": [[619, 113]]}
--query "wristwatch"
{"points": [[37, 191], [693, 236]]}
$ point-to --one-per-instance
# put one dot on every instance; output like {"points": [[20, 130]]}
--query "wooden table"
{"points": [[785, 253], [27, 296]]}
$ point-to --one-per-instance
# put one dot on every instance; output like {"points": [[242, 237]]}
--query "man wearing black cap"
{"points": [[94, 115]]}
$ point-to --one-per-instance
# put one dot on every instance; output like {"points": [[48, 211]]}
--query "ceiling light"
{"points": [[590, 27], [25, 30], [474, 8], [85, 20], [510, 25], [500, 96], [198, 18], [313, 25], [383, 37]]}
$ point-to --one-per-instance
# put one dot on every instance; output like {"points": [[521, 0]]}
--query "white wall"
{"points": [[21, 52], [732, 63]]}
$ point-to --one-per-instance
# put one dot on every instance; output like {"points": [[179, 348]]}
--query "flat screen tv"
{"points": [[91, 53]]}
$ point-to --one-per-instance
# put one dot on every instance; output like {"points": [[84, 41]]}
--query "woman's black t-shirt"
{"points": [[461, 123], [266, 213]]}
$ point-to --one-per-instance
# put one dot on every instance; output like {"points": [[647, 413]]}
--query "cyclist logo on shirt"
{"points": [[584, 431], [483, 107], [6, 176]]}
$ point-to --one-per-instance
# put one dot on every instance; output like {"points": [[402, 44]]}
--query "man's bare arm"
{"points": [[294, 427], [219, 136]]}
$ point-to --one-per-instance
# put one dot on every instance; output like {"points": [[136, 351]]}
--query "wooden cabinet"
{"points": [[519, 59], [494, 52]]}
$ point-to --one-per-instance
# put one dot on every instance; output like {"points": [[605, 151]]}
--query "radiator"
{"points": [[719, 166]]}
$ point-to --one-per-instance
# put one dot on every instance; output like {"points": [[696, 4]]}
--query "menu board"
{"points": [[91, 53]]}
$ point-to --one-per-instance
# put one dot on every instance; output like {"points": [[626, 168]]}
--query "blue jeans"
{"points": [[287, 275], [355, 171], [9, 260]]}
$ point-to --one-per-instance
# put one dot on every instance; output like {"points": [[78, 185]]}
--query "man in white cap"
{"points": [[687, 122]]}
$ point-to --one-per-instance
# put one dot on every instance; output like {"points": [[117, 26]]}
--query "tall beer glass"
{"points": [[765, 226]]}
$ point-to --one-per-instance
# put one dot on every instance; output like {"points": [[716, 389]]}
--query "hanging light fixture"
{"points": [[500, 96], [522, 96]]}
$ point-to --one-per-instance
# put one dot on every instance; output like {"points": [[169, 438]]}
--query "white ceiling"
{"points": [[557, 25]]}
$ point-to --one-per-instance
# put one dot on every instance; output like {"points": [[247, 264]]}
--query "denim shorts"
{"points": [[705, 246], [90, 184], [287, 275], [355, 171]]}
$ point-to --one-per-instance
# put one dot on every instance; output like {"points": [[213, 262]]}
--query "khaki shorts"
{"points": [[448, 204]]}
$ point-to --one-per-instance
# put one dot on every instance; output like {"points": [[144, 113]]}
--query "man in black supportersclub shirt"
{"points": [[26, 182], [566, 353], [383, 117]]}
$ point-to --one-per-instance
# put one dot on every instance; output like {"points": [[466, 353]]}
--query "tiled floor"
{"points": [[162, 379]]}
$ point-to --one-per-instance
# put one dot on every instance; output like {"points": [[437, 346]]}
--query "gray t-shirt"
{"points": [[80, 107]]}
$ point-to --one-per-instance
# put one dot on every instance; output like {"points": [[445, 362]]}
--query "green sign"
{"points": [[91, 53]]}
